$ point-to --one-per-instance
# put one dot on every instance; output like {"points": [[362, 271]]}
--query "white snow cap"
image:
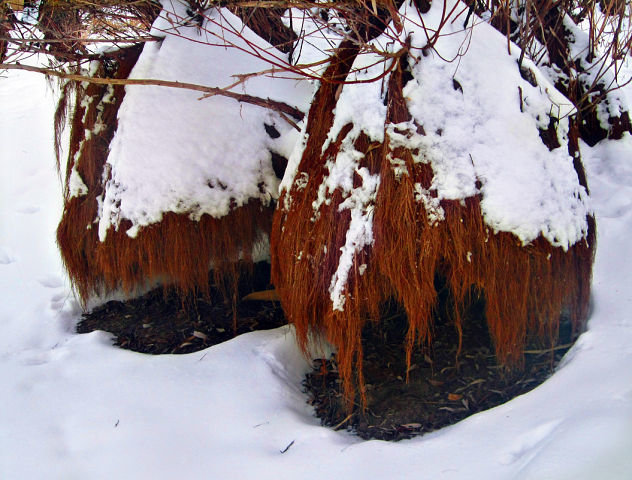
{"points": [[475, 130], [481, 121], [175, 152]]}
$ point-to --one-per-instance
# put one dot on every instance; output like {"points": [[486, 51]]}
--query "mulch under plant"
{"points": [[440, 389], [162, 322]]}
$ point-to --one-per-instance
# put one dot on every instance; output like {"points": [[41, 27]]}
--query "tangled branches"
{"points": [[579, 44], [73, 31]]}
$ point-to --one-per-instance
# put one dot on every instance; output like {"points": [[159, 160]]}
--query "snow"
{"points": [[318, 38], [161, 161], [600, 69], [365, 110], [359, 235], [477, 132], [73, 406]]}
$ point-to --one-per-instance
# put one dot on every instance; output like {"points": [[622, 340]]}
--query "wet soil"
{"points": [[162, 322], [437, 391]]}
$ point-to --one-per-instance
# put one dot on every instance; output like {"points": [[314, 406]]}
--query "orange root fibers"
{"points": [[526, 288], [178, 251]]}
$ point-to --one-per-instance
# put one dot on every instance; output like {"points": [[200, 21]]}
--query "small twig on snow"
{"points": [[288, 447]]}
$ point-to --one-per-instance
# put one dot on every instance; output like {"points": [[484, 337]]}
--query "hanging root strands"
{"points": [[526, 288]]}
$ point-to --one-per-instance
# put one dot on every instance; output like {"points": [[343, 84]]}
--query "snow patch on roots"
{"points": [[176, 152], [363, 109], [343, 172], [359, 235], [76, 185], [482, 136]]}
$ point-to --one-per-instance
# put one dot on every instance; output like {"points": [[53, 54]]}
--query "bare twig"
{"points": [[240, 97], [548, 350], [138, 39], [288, 447], [340, 424]]}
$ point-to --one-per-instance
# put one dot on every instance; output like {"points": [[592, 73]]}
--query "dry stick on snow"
{"points": [[280, 107], [84, 41]]}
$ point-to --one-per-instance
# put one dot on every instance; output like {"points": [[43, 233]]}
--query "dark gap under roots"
{"points": [[164, 322], [442, 386]]}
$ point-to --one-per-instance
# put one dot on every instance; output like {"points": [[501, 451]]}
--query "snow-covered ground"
{"points": [[75, 407]]}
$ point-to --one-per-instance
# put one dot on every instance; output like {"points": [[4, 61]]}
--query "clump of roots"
{"points": [[526, 287], [177, 252]]}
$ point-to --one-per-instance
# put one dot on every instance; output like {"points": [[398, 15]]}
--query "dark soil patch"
{"points": [[161, 322], [440, 390]]}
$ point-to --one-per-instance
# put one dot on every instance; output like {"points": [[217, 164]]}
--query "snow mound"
{"points": [[175, 152], [485, 128], [481, 123]]}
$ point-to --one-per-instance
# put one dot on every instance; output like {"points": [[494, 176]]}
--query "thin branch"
{"points": [[82, 40], [260, 102]]}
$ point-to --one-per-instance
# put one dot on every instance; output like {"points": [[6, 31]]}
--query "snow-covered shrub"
{"points": [[440, 169]]}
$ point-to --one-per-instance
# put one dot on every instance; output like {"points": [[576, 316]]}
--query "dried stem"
{"points": [[209, 91]]}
